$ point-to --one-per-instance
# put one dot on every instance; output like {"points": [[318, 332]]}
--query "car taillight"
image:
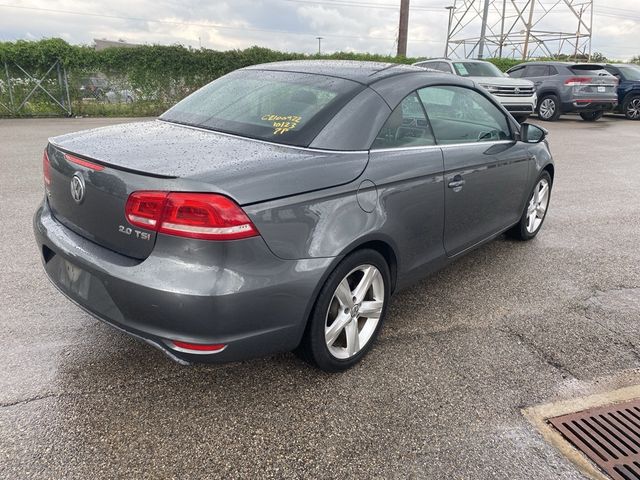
{"points": [[144, 209], [572, 81], [46, 168], [206, 216]]}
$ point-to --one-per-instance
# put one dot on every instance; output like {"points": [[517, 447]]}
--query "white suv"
{"points": [[517, 95]]}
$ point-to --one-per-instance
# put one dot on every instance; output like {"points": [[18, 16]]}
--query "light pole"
{"points": [[319, 45], [451, 8]]}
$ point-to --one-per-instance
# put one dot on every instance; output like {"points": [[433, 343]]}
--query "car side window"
{"points": [[407, 126], [615, 72], [516, 73], [462, 115], [431, 65], [444, 66], [537, 71], [553, 70]]}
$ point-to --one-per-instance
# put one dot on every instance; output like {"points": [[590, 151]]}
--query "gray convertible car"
{"points": [[279, 207]]}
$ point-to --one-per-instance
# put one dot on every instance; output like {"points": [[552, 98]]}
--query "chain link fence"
{"points": [[57, 92]]}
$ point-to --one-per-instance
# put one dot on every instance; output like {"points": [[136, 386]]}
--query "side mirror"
{"points": [[530, 133]]}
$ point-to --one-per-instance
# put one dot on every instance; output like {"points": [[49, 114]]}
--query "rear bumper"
{"points": [[589, 104], [234, 293]]}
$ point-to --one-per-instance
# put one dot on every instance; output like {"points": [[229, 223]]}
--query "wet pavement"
{"points": [[509, 326]]}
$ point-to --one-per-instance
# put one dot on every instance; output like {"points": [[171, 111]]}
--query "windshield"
{"points": [[477, 69], [283, 107], [630, 72]]}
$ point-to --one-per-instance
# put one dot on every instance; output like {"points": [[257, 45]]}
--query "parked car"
{"points": [[518, 96], [584, 88], [125, 95], [98, 88], [93, 87], [281, 205], [628, 75]]}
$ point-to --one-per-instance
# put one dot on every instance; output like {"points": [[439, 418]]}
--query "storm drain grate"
{"points": [[609, 436]]}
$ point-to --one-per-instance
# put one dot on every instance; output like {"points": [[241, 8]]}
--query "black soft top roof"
{"points": [[361, 72]]}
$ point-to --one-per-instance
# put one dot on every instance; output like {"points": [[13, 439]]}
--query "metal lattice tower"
{"points": [[520, 28]]}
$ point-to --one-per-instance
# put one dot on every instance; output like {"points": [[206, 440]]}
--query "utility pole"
{"points": [[483, 30], [450, 8], [403, 28], [525, 51], [319, 45]]}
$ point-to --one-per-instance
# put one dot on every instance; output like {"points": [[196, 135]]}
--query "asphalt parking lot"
{"points": [[509, 326]]}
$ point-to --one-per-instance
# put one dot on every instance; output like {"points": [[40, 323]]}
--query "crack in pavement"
{"points": [[79, 393], [535, 349]]}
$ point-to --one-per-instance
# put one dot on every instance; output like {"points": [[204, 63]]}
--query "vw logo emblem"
{"points": [[77, 188], [517, 90]]}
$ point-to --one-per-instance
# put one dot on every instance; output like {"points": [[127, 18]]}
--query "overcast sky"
{"points": [[290, 25]]}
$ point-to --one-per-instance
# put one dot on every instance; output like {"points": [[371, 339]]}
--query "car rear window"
{"points": [[586, 69], [283, 107]]}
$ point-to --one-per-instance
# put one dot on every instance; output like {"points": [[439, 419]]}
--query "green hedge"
{"points": [[160, 75], [155, 61]]}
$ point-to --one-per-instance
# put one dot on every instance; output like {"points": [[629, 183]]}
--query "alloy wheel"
{"points": [[547, 108], [354, 311], [633, 109], [538, 204]]}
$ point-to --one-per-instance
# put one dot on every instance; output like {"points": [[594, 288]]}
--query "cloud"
{"points": [[289, 25]]}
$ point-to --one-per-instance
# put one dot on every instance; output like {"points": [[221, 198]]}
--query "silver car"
{"points": [[279, 207], [517, 95]]}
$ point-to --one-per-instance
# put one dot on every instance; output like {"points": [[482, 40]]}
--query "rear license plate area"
{"points": [[73, 279]]}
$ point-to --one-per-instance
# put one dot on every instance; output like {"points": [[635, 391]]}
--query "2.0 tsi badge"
{"points": [[77, 188]]}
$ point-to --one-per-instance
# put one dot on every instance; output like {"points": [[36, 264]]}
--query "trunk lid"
{"points": [[600, 82], [91, 202], [247, 170], [162, 156]]}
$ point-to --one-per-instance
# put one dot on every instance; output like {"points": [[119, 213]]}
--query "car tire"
{"points": [[549, 108], [535, 211], [592, 116], [631, 107], [337, 349]]}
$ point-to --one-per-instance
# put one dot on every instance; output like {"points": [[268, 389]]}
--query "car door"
{"points": [[485, 169], [406, 166], [538, 74]]}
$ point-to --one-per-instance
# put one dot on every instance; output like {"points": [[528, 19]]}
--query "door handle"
{"points": [[457, 182]]}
